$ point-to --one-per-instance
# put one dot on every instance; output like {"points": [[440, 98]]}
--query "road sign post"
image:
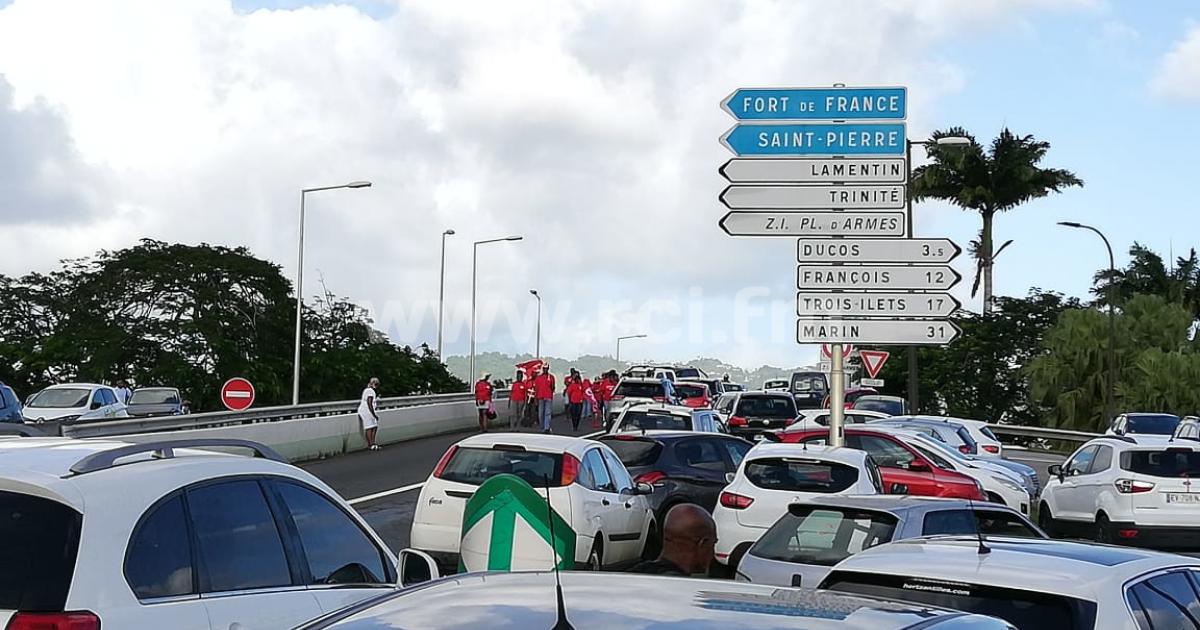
{"points": [[237, 394], [837, 397]]}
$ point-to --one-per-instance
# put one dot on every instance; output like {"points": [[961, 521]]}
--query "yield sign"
{"points": [[873, 361]]}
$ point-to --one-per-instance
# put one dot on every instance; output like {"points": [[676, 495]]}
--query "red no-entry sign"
{"points": [[237, 393]]}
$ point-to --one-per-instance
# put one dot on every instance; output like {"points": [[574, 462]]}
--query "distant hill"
{"points": [[501, 367]]}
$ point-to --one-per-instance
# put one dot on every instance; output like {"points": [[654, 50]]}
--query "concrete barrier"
{"points": [[305, 439]]}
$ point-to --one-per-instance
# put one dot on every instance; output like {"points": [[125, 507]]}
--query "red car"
{"points": [[694, 395], [904, 470]]}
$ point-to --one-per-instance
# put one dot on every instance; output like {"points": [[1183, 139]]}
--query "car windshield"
{"points": [[634, 451], [689, 391], [639, 390], [154, 397], [635, 420], [766, 407], [473, 466], [882, 405], [824, 536], [1158, 424], [1171, 462], [41, 542], [61, 398], [800, 475]]}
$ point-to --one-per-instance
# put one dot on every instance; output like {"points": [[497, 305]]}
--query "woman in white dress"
{"points": [[368, 412]]}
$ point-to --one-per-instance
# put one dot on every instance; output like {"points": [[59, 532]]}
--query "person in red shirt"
{"points": [[483, 400], [543, 387], [516, 401], [575, 397]]}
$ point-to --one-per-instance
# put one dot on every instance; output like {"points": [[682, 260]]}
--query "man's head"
{"points": [[373, 383], [122, 383], [689, 538], [520, 375], [545, 369]]}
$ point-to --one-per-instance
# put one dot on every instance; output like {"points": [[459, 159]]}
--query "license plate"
{"points": [[1190, 498]]}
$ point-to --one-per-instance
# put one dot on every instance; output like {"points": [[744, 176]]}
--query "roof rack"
{"points": [[165, 449], [1123, 438], [20, 430]]}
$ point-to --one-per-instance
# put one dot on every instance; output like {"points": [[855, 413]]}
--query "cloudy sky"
{"points": [[590, 128]]}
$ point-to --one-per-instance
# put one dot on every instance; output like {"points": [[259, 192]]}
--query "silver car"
{"points": [[804, 544]]}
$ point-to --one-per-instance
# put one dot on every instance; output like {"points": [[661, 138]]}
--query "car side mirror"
{"points": [[417, 567], [643, 488], [1056, 470], [729, 477], [917, 465], [899, 488]]}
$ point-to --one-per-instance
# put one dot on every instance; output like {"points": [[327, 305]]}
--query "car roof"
{"points": [[1074, 569], [926, 420], [665, 435], [526, 600], [663, 407], [75, 385], [882, 397], [639, 379], [532, 441], [897, 504], [1143, 414], [840, 454], [760, 393]]}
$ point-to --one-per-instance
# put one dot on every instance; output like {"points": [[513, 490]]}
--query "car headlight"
{"points": [[1008, 483]]}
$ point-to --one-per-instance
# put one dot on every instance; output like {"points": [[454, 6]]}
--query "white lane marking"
{"points": [[385, 493]]}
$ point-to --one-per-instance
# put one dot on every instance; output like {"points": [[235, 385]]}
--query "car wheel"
{"points": [[595, 561], [1046, 519], [735, 558], [1104, 530], [653, 544]]}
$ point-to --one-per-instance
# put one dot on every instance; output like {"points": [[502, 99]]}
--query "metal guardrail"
{"points": [[214, 419], [1043, 433]]}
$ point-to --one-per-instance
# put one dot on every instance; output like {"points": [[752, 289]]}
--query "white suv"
{"points": [[158, 535], [773, 476], [1142, 489], [590, 489]]}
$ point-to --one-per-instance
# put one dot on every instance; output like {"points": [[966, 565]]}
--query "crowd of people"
{"points": [[531, 398]]}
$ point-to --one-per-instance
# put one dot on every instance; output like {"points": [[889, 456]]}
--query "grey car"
{"points": [[527, 601], [803, 545], [147, 402]]}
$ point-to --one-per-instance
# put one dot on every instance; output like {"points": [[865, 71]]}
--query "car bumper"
{"points": [[1158, 536], [436, 539]]}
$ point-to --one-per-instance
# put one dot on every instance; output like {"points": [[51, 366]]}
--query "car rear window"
{"points": [[800, 475], [473, 466], [655, 421], [766, 407], [61, 398], [687, 373], [824, 536], [890, 407], [1171, 462], [639, 390], [1023, 609], [689, 391], [154, 397], [1159, 424], [987, 432], [41, 541], [634, 451]]}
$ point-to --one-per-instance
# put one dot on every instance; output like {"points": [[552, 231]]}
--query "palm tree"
{"points": [[1147, 273], [1001, 178]]}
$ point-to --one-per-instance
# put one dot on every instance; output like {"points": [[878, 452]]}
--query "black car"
{"points": [[683, 466], [10, 405], [749, 414], [148, 402]]}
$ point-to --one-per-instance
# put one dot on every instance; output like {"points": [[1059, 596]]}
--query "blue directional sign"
{"points": [[878, 103], [812, 139]]}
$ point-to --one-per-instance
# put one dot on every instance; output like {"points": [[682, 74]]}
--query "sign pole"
{"points": [[913, 378], [837, 397]]}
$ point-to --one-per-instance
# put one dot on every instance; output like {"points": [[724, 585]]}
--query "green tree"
{"points": [[1148, 274], [999, 179]]}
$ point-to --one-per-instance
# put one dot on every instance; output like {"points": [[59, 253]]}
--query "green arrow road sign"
{"points": [[515, 508]]}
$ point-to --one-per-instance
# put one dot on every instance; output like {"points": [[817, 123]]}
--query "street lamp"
{"points": [[300, 280], [534, 293], [474, 269], [442, 291], [914, 396], [619, 344], [1109, 396]]}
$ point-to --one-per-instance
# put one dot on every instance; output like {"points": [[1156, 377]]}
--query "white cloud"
{"points": [[589, 127], [1178, 75]]}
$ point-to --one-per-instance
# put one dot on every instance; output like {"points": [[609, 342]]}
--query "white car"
{"points": [[660, 417], [1001, 484], [1142, 490], [949, 430], [773, 476], [812, 419], [632, 391], [1162, 424], [74, 401], [1033, 584], [590, 488], [160, 535]]}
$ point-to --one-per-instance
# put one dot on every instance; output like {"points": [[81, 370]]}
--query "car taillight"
{"points": [[570, 469], [1132, 486], [54, 621], [964, 449], [735, 501], [737, 421], [652, 477], [441, 465], [991, 448]]}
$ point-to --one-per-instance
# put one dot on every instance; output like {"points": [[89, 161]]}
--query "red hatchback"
{"points": [[694, 395], [904, 470]]}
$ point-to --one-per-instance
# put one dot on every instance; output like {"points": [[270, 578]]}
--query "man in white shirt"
{"points": [[368, 412], [123, 391]]}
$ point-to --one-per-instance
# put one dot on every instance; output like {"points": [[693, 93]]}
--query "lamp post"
{"points": [[538, 352], [474, 270], [300, 280], [914, 395], [619, 343], [1109, 395], [442, 291]]}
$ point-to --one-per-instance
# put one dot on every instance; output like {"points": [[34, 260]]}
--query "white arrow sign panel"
{"points": [[814, 170], [853, 197], [895, 250], [905, 332], [830, 304], [878, 277], [850, 223]]}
